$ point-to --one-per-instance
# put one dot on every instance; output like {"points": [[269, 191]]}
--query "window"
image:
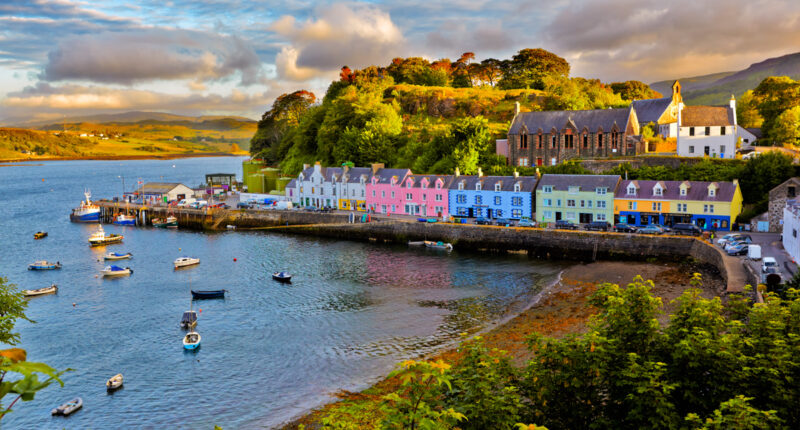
{"points": [[478, 186], [301, 190], [392, 194], [558, 203], [408, 184], [568, 141], [790, 191], [439, 209], [516, 201], [523, 141], [516, 213], [722, 131], [478, 200], [585, 141], [657, 206], [711, 192], [570, 215], [657, 191], [497, 187], [583, 203], [423, 184], [574, 190], [438, 185], [497, 200], [631, 206], [599, 140], [383, 194], [614, 139], [600, 217], [424, 197], [794, 232], [461, 198], [438, 197], [462, 211], [681, 207], [722, 149], [393, 209], [383, 208], [691, 131], [632, 190], [691, 149], [570, 203], [547, 202], [539, 141], [409, 196], [334, 191], [517, 188], [461, 186], [498, 213], [522, 161], [683, 191], [601, 191], [601, 204], [588, 203], [547, 189], [708, 209], [547, 215], [708, 131]]}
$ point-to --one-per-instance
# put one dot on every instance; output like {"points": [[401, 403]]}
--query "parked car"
{"points": [[597, 226], [741, 239], [650, 229], [242, 205], [727, 238], [565, 225], [483, 221], [624, 228], [526, 222], [664, 228], [687, 229], [738, 249], [502, 222], [311, 209]]}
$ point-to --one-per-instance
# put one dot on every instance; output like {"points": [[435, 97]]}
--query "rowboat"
{"points": [[44, 265], [282, 277], [69, 407], [114, 382], [191, 341], [117, 256], [40, 235], [185, 261], [189, 319], [442, 246], [417, 243], [100, 237], [172, 222], [53, 289], [111, 271], [159, 222], [208, 294]]}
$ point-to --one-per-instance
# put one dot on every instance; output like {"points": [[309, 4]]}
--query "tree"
{"points": [[747, 111], [12, 308], [491, 71], [462, 77], [763, 173], [529, 68], [787, 127], [284, 114], [634, 90], [775, 95]]}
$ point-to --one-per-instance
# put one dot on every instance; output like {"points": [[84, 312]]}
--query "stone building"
{"points": [[777, 202], [550, 137], [662, 112]]}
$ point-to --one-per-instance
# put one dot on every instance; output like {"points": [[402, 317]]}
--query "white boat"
{"points": [[69, 407], [444, 246], [418, 243], [41, 291], [114, 382], [125, 220], [185, 261], [191, 341], [111, 271], [117, 256], [100, 237]]}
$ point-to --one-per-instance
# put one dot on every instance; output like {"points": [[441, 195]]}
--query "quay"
{"points": [[537, 242]]}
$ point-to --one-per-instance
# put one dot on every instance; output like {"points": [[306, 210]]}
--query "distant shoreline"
{"points": [[126, 157]]}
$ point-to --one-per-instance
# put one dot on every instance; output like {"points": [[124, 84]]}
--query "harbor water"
{"points": [[270, 351]]}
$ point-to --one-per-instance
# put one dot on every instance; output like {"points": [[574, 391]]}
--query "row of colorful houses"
{"points": [[546, 198]]}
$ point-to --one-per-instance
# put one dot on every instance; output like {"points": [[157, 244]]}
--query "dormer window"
{"points": [[547, 189], [657, 191], [460, 186], [408, 184], [497, 187], [478, 186], [683, 192], [438, 185], [712, 192], [631, 190], [517, 188]]}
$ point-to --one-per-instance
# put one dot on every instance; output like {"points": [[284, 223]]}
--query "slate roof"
{"points": [[354, 174], [591, 119], [331, 173], [527, 183], [307, 173], [698, 191], [650, 110], [292, 184], [756, 132], [585, 182], [706, 116], [159, 187], [384, 175], [446, 179]]}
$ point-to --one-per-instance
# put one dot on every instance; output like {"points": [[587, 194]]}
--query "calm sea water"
{"points": [[269, 351]]}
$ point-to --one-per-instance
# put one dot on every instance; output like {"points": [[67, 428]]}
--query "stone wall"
{"points": [[777, 202]]}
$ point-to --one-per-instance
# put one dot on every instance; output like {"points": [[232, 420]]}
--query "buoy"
{"points": [[74, 304], [42, 179], [234, 259], [179, 249]]}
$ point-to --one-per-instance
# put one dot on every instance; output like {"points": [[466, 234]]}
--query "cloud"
{"points": [[152, 54], [353, 35]]}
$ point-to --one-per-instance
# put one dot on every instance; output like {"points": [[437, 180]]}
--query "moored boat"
{"points": [[40, 235], [443, 246], [417, 243], [117, 256], [208, 294], [282, 276], [191, 341], [69, 407], [114, 382], [86, 212], [124, 220], [189, 319], [111, 271], [185, 262], [53, 289], [100, 237], [172, 222], [159, 222], [44, 265]]}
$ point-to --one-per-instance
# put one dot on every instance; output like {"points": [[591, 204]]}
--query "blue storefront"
{"points": [[492, 197]]}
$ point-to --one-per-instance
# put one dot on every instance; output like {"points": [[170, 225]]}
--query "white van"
{"points": [[186, 202], [754, 252]]}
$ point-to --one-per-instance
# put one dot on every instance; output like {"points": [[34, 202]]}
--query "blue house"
{"points": [[480, 196]]}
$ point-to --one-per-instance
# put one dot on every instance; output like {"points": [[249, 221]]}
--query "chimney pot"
{"points": [[480, 172]]}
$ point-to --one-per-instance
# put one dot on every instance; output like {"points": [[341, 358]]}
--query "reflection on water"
{"points": [[270, 350]]}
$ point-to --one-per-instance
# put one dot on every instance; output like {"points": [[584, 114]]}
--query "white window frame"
{"points": [[497, 187]]}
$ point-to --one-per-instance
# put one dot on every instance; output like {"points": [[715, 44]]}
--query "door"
{"points": [[539, 161], [470, 213], [585, 218], [707, 150], [558, 216], [489, 213]]}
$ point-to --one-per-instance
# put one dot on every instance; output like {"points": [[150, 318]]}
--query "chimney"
{"points": [[480, 172], [516, 108], [376, 167], [458, 173], [318, 167], [516, 174], [732, 104], [306, 166]]}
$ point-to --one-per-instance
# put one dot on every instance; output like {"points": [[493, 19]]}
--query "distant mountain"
{"points": [[120, 118], [716, 89]]}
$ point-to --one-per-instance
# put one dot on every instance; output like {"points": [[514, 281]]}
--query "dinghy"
{"points": [[191, 341], [189, 319], [442, 246], [418, 243], [44, 265], [40, 235], [208, 294], [117, 256], [282, 277], [185, 262], [41, 291], [114, 382], [68, 408], [112, 270]]}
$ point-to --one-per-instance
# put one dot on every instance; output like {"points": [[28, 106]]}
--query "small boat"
{"points": [[68, 408], [117, 256], [159, 222], [189, 319], [208, 294], [185, 261], [172, 222], [114, 382], [124, 220], [112, 270], [87, 211], [53, 289], [282, 276], [443, 246], [100, 237], [44, 265], [191, 341], [230, 227], [40, 235], [418, 243]]}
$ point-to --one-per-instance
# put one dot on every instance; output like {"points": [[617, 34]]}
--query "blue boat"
{"points": [[282, 277], [208, 294], [124, 220], [44, 265], [86, 212], [191, 341]]}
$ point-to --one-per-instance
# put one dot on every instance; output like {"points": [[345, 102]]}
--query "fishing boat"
{"points": [[40, 235], [169, 222], [100, 237], [124, 220], [87, 211], [114, 382], [69, 407], [44, 265], [117, 256], [111, 271], [208, 294], [191, 341], [282, 277], [185, 262], [172, 222], [53, 289], [442, 246], [189, 319], [159, 222]]}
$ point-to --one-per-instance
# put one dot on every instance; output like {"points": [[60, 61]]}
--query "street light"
{"points": [[123, 185]]}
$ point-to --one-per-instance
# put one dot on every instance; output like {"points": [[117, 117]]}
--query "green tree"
{"points": [[787, 127], [763, 173], [529, 68], [634, 90], [775, 95], [285, 113], [747, 111], [736, 414], [418, 404], [12, 308]]}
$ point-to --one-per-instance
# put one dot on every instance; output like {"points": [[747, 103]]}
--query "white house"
{"points": [[152, 192], [748, 135], [316, 186], [352, 188], [708, 131], [791, 227]]}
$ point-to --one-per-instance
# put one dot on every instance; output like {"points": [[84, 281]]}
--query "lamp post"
{"points": [[123, 185]]}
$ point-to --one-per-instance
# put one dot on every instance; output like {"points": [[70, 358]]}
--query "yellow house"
{"points": [[709, 205]]}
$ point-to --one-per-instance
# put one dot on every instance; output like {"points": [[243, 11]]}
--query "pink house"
{"points": [[426, 195], [384, 190]]}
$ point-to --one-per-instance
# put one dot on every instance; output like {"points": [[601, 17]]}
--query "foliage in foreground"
{"points": [[712, 366]]}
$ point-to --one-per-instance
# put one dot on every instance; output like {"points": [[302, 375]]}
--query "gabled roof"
{"points": [[698, 191], [591, 119], [292, 184], [650, 110], [159, 187], [706, 116], [527, 183], [584, 182], [354, 174], [307, 173], [756, 132], [330, 174], [446, 180], [384, 176]]}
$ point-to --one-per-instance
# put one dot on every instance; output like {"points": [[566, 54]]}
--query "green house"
{"points": [[576, 198]]}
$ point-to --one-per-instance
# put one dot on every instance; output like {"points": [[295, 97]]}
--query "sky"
{"points": [[62, 58]]}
